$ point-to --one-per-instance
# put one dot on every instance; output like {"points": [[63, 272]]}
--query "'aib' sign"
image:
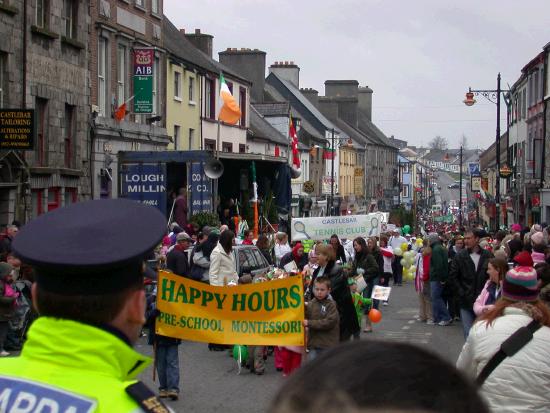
{"points": [[143, 80]]}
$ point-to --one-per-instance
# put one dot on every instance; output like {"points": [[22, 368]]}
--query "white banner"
{"points": [[347, 226]]}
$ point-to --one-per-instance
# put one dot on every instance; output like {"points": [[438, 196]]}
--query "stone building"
{"points": [[117, 29], [43, 66]]}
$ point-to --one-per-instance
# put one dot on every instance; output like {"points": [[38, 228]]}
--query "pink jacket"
{"points": [[479, 305]]}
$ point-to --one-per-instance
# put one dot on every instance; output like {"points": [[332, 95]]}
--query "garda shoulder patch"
{"points": [[145, 397], [21, 395]]}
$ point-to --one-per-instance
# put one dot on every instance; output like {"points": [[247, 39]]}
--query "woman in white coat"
{"points": [[519, 383], [223, 270]]}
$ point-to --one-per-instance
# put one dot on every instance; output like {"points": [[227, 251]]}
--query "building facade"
{"points": [[44, 66]]}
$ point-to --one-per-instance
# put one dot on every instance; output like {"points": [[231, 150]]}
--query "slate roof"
{"points": [[359, 139], [366, 125], [261, 128], [179, 46], [273, 108]]}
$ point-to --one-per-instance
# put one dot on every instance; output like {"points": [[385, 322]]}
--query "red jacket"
{"points": [[426, 267]]}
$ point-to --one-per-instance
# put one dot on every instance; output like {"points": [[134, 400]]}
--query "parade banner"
{"points": [[268, 313], [347, 226]]}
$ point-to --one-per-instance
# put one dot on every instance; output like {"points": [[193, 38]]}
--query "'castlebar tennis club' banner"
{"points": [[346, 226], [268, 313]]}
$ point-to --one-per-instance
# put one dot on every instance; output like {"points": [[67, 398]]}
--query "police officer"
{"points": [[89, 293]]}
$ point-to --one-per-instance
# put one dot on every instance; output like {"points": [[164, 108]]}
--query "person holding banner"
{"points": [[223, 269], [365, 264], [326, 259]]}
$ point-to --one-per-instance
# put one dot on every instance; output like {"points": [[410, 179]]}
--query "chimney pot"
{"points": [[182, 31], [286, 62], [197, 31]]}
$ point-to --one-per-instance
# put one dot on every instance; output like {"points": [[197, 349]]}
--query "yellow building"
{"points": [[347, 164], [183, 93]]}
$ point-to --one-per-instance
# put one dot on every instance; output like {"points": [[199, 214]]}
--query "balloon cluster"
{"points": [[409, 269]]}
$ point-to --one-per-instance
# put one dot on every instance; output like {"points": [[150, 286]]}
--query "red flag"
{"points": [[277, 151], [294, 137], [120, 112], [328, 154]]}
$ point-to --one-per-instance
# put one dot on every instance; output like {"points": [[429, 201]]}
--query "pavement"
{"points": [[210, 383]]}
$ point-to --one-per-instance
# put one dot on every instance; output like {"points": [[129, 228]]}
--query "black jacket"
{"points": [[341, 294], [178, 263], [368, 263], [466, 282], [288, 257], [341, 254]]}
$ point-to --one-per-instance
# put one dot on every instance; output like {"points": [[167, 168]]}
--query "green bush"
{"points": [[205, 218]]}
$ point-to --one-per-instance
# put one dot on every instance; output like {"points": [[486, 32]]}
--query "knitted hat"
{"points": [[524, 259], [516, 228], [520, 284], [537, 238]]}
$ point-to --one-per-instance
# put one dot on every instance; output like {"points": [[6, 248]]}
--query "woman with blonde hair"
{"points": [[519, 383]]}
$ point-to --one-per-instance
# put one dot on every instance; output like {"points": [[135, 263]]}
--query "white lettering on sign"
{"points": [[21, 396], [144, 178], [132, 189], [144, 70]]}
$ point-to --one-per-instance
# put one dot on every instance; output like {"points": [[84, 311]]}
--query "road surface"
{"points": [[209, 380], [444, 180]]}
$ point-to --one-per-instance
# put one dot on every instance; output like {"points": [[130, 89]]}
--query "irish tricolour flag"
{"points": [[229, 112]]}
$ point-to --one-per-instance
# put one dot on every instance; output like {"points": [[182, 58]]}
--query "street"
{"points": [[444, 180], [209, 380]]}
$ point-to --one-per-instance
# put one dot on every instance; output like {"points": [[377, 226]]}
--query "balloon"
{"points": [[407, 229], [240, 353], [419, 242], [412, 269], [403, 262], [375, 316], [404, 246], [398, 252]]}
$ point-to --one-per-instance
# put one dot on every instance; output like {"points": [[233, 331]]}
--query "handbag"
{"points": [[508, 348]]}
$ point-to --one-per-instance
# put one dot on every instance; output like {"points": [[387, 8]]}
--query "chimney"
{"points": [[344, 93], [328, 107], [312, 95], [201, 41], [250, 64], [365, 100], [287, 71]]}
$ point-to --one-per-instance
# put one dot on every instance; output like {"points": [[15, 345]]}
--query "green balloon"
{"points": [[406, 229], [240, 350]]}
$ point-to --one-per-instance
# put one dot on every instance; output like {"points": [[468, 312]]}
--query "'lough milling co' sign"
{"points": [[17, 129]]}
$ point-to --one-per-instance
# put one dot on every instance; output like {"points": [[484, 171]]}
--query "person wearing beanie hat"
{"points": [[7, 299], [520, 382], [297, 255]]}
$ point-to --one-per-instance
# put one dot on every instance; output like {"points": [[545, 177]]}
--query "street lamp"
{"points": [[492, 96]]}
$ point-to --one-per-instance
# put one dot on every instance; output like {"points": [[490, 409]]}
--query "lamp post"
{"points": [[492, 96], [460, 193], [332, 175]]}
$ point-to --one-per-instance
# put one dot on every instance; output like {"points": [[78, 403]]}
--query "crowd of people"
{"points": [[493, 284]]}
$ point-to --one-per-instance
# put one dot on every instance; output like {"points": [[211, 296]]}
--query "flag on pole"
{"points": [[294, 141], [255, 199], [329, 153], [120, 112], [229, 112]]}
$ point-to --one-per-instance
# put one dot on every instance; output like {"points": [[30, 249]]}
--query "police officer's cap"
{"points": [[92, 247]]}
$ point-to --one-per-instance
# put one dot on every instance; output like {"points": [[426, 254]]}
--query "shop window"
{"points": [[70, 196], [53, 199]]}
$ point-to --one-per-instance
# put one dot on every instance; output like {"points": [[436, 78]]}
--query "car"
{"points": [[250, 260], [454, 185]]}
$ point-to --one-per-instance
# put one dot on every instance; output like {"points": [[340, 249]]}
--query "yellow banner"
{"points": [[268, 313]]}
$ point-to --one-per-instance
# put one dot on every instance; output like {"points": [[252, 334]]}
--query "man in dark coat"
{"points": [[180, 209], [467, 275], [177, 260]]}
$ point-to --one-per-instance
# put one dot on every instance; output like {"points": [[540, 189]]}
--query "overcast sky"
{"points": [[418, 56]]}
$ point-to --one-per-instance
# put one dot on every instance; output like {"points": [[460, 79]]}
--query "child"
{"points": [[322, 319], [359, 302]]}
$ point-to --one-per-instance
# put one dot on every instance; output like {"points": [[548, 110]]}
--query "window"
{"points": [[102, 59], [535, 87], [191, 138], [36, 202], [210, 145], [122, 72], [42, 131], [3, 80], [155, 6], [53, 199], [41, 13], [156, 83], [405, 191], [242, 105], [210, 102], [177, 86], [230, 86], [70, 196], [140, 3], [242, 148], [191, 89], [68, 18], [105, 183], [227, 147], [176, 136], [69, 136]]}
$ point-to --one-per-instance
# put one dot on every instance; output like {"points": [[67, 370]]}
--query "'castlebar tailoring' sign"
{"points": [[17, 129]]}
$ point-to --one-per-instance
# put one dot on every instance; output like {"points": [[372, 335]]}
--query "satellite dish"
{"points": [[213, 169]]}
